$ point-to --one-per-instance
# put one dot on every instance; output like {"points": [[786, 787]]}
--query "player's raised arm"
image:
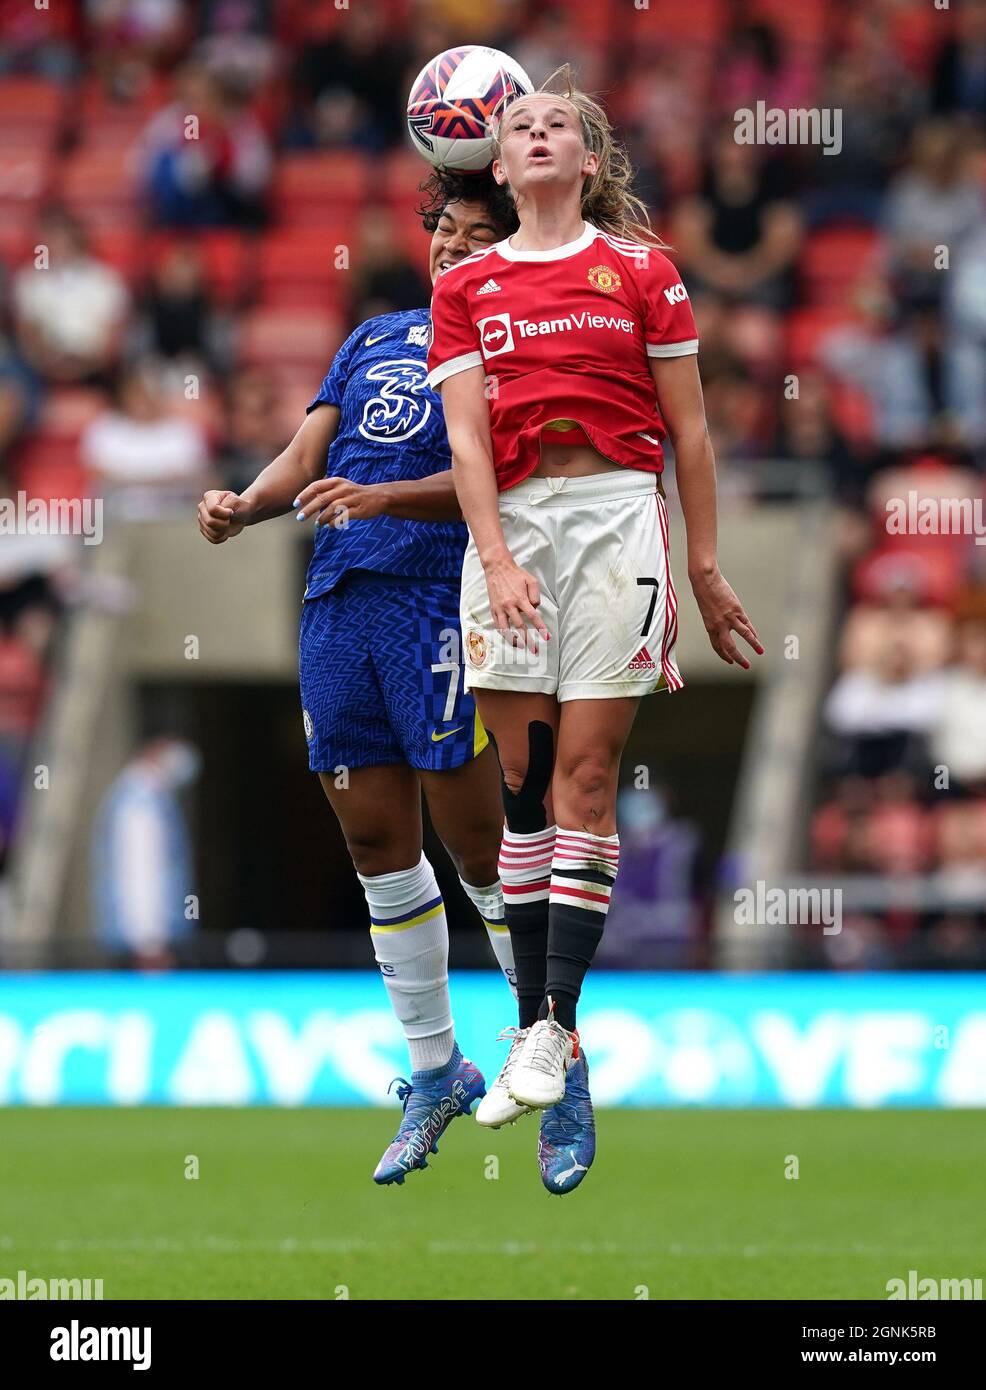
{"points": [[223, 514]]}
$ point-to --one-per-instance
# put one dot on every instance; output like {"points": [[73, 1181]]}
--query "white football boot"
{"points": [[498, 1107], [538, 1077]]}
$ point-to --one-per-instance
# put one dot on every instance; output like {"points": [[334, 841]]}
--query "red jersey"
{"points": [[564, 336]]}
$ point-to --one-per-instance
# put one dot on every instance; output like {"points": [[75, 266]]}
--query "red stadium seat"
{"points": [[297, 267], [807, 329], [698, 22], [852, 410], [121, 247], [25, 177], [100, 187], [50, 468], [935, 575], [291, 337], [834, 259], [66, 413], [314, 189], [230, 263], [31, 101], [400, 178]]}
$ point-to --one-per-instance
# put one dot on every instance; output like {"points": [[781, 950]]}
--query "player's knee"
{"points": [[475, 849], [586, 784], [380, 853]]}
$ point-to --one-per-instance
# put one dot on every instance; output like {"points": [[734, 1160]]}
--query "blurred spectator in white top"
{"points": [[143, 871], [71, 314], [959, 733], [921, 381], [146, 459], [936, 201], [890, 696]]}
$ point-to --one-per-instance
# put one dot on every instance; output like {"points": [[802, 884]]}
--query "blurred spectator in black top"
{"points": [[878, 110], [806, 430], [177, 311], [255, 433], [359, 59], [741, 235], [959, 82], [386, 281]]}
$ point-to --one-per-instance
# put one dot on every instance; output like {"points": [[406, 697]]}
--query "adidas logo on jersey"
{"points": [[643, 661], [491, 287]]}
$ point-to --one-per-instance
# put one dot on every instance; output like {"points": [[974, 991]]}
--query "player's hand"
{"points": [[222, 514], [514, 597], [723, 615], [337, 501]]}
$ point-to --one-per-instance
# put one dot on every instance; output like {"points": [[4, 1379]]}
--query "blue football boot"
{"points": [[431, 1100], [567, 1143]]}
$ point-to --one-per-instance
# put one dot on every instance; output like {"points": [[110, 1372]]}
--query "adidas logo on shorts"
{"points": [[643, 661], [491, 287]]}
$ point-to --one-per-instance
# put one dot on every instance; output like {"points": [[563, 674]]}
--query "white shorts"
{"points": [[598, 547]]}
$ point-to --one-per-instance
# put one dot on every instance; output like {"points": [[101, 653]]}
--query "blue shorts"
{"points": [[381, 676]]}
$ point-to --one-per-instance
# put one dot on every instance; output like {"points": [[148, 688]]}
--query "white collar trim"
{"points": [[556, 253]]}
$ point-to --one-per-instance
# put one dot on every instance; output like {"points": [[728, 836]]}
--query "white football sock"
{"points": [[488, 902], [410, 941]]}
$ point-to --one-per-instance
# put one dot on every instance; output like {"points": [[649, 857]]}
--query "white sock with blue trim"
{"points": [[488, 902], [410, 941]]}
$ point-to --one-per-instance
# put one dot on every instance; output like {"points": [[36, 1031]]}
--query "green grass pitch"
{"points": [[688, 1204]]}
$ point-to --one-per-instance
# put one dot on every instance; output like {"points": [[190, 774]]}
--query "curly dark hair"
{"points": [[443, 188]]}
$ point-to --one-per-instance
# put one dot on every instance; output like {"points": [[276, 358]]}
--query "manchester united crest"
{"points": [[605, 278], [477, 647]]}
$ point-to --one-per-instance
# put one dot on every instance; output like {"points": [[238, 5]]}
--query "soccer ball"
{"points": [[454, 98]]}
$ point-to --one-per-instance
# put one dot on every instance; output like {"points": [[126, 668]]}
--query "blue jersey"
{"points": [[391, 427]]}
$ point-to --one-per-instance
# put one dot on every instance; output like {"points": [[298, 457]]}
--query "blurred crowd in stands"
{"points": [[220, 190]]}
